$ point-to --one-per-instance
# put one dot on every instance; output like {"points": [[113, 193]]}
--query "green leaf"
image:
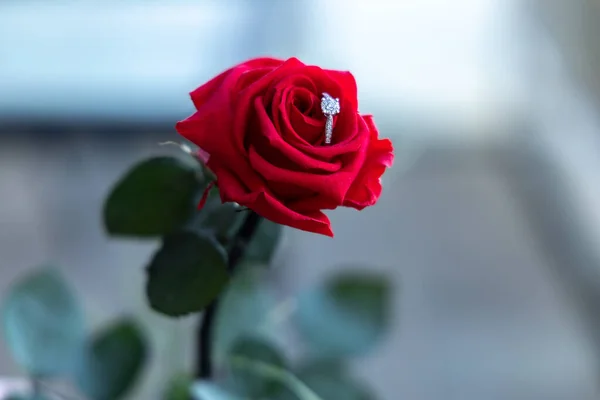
{"points": [[270, 372], [243, 310], [43, 324], [222, 220], [154, 198], [186, 274], [209, 391], [219, 219], [27, 397], [346, 316], [114, 361], [179, 387], [249, 383], [321, 365], [264, 242], [330, 381]]}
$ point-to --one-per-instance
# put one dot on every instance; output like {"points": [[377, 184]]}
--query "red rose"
{"points": [[262, 132]]}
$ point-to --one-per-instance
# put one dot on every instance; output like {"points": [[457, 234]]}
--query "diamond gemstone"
{"points": [[329, 105]]}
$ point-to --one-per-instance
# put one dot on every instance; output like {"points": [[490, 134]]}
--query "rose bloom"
{"points": [[261, 131]]}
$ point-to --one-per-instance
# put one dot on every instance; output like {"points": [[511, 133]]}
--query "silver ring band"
{"points": [[328, 129]]}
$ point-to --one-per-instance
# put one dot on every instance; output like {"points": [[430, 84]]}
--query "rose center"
{"points": [[305, 102], [303, 105]]}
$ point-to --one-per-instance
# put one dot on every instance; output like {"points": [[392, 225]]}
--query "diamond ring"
{"points": [[330, 107]]}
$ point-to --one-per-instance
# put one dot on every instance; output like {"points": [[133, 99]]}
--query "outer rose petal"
{"points": [[267, 206], [202, 95], [366, 189], [348, 87], [211, 126]]}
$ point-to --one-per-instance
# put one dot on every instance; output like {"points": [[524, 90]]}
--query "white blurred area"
{"points": [[122, 60], [109, 59], [454, 60], [492, 305]]}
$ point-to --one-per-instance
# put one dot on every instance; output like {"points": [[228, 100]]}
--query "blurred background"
{"points": [[489, 222]]}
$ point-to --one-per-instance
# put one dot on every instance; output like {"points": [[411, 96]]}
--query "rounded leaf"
{"points": [[330, 382], [27, 397], [263, 244], [273, 373], [186, 274], [179, 387], [154, 198], [114, 361], [217, 218], [43, 324], [248, 383], [242, 310], [346, 316]]}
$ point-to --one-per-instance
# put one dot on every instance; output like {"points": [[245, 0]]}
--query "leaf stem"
{"points": [[204, 340]]}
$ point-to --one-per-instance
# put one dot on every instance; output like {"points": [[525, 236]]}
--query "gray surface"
{"points": [[478, 312]]}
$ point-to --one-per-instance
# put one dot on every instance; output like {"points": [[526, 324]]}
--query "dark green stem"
{"points": [[204, 367]]}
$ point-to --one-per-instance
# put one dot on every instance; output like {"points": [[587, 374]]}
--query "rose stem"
{"points": [[205, 329]]}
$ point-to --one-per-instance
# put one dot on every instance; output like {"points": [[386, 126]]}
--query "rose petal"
{"points": [[331, 186], [211, 127], [303, 129], [366, 189], [348, 138], [268, 206], [277, 151], [295, 128], [244, 103], [383, 150], [202, 95], [296, 111], [348, 88]]}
